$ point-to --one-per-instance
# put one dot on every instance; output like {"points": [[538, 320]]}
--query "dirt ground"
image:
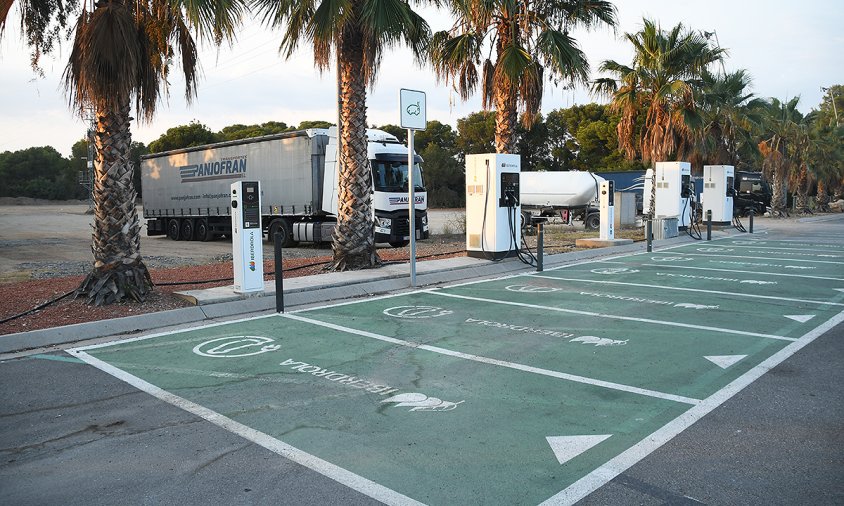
{"points": [[45, 252]]}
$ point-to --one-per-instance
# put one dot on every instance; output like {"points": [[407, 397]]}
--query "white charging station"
{"points": [[673, 191], [493, 213], [247, 249], [718, 192], [606, 204]]}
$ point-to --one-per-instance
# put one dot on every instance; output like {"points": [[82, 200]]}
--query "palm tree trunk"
{"points": [[353, 241], [778, 190], [506, 112], [802, 200], [506, 116], [822, 199], [119, 272]]}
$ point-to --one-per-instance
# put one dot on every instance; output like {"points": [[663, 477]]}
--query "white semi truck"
{"points": [[186, 191]]}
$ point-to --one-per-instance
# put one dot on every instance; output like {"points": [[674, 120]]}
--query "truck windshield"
{"points": [[391, 176]]}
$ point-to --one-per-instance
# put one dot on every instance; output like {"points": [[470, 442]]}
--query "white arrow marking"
{"points": [[802, 318], [839, 289], [568, 447], [724, 361]]}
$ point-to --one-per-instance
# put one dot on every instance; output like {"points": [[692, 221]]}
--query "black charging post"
{"points": [[648, 234], [751, 221], [279, 275], [540, 246], [709, 224]]}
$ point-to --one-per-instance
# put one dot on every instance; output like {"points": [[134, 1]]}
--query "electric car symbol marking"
{"points": [[416, 311], [414, 109], [421, 402], [671, 259], [614, 270], [532, 289], [235, 346]]}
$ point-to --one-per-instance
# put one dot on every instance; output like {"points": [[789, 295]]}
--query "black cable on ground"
{"points": [[737, 224], [36, 308]]}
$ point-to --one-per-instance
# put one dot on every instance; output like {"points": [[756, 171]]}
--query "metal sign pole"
{"points": [[411, 207]]}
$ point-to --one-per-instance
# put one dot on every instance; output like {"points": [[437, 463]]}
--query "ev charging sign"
{"points": [[247, 249]]}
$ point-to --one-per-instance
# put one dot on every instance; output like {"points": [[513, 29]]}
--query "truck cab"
{"points": [[390, 176]]}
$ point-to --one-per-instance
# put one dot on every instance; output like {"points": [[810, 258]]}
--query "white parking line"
{"points": [[743, 272], [612, 316], [716, 292], [503, 363], [758, 258], [763, 246]]}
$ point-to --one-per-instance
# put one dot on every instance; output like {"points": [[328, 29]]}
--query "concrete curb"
{"points": [[303, 291]]}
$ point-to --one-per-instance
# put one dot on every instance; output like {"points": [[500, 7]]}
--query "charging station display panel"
{"points": [[247, 237]]}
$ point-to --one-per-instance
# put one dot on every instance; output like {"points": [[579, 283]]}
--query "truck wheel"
{"points": [[399, 244], [174, 229], [283, 227], [593, 221], [526, 222], [187, 230], [202, 232]]}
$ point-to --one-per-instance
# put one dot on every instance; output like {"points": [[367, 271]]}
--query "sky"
{"points": [[790, 48]]}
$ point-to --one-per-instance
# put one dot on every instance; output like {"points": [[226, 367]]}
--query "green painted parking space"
{"points": [[785, 245], [432, 428], [768, 266], [753, 286], [687, 309], [665, 360]]}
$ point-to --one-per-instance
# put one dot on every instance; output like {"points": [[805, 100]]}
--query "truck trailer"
{"points": [[572, 194], [186, 191]]}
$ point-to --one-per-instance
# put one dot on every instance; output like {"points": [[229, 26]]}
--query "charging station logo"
{"points": [[235, 346], [252, 266]]}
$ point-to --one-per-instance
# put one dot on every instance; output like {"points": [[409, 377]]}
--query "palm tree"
{"points": [[530, 40], [357, 32], [783, 148], [731, 115], [662, 83], [121, 50]]}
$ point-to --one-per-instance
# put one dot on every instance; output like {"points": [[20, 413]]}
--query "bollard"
{"points": [[648, 234], [709, 224], [540, 246], [279, 275], [751, 221]]}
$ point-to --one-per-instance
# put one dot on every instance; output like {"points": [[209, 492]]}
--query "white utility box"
{"points": [[718, 192], [493, 213], [247, 249], [673, 191]]}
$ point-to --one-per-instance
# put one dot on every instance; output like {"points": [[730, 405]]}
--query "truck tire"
{"points": [[592, 221], [186, 231], [203, 233], [526, 221], [283, 227], [399, 244], [174, 229]]}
